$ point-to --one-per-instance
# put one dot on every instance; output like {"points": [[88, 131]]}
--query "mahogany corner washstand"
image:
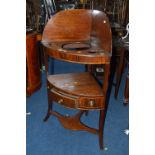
{"points": [[84, 37]]}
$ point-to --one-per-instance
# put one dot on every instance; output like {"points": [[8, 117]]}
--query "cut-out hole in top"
{"points": [[76, 46]]}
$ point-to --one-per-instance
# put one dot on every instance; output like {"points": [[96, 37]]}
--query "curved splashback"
{"points": [[79, 25]]}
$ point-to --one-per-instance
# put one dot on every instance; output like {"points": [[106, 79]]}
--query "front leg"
{"points": [[101, 125], [50, 103]]}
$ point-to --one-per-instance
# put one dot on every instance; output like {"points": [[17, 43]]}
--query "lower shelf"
{"points": [[76, 90], [73, 122]]}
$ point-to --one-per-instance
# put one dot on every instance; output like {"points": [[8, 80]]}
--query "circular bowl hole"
{"points": [[92, 52], [76, 46]]}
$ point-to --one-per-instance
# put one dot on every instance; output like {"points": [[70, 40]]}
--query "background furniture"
{"points": [[122, 47], [38, 12], [126, 91], [66, 37], [33, 75]]}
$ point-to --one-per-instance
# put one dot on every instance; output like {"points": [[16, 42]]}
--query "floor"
{"points": [[50, 138]]}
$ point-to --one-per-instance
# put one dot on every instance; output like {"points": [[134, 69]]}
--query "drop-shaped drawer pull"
{"points": [[91, 103], [60, 101]]}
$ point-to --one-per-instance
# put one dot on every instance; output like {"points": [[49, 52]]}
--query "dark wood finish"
{"points": [[101, 125], [102, 112], [123, 61], [50, 104], [126, 91], [32, 64], [66, 37], [119, 70]]}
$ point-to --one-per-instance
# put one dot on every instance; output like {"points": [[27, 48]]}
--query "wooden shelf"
{"points": [[76, 90]]}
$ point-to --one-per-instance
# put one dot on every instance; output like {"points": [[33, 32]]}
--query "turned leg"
{"points": [[101, 125]]}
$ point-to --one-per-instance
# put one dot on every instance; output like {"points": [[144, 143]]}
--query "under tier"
{"points": [[76, 90]]}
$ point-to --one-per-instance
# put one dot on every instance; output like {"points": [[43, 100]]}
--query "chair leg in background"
{"points": [[126, 91], [119, 72]]}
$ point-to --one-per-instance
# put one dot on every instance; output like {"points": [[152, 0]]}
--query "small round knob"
{"points": [[60, 101], [91, 103]]}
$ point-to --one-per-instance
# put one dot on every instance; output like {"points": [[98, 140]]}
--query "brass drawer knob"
{"points": [[91, 103], [60, 101]]}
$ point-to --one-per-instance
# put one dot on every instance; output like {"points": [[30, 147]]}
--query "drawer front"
{"points": [[92, 103], [75, 102], [64, 99]]}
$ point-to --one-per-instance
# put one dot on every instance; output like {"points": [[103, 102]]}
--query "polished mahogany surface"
{"points": [[82, 84], [78, 36], [87, 27]]}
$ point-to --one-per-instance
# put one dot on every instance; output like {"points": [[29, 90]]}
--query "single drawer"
{"points": [[75, 102], [64, 99], [92, 103]]}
